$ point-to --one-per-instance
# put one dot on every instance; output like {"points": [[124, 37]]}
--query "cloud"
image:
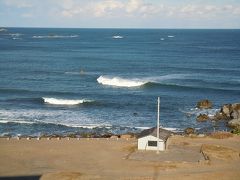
{"points": [[18, 3], [139, 8], [27, 15], [106, 7], [128, 12], [113, 8], [133, 5]]}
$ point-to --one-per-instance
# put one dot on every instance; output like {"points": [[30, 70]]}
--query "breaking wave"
{"points": [[55, 101], [117, 37], [55, 36], [120, 82], [123, 82]]}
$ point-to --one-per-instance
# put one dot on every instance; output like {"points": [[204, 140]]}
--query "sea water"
{"points": [[61, 81]]}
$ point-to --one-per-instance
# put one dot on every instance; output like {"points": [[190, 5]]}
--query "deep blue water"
{"points": [[180, 66]]}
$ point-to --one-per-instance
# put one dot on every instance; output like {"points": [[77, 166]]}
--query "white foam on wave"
{"points": [[55, 101], [3, 29], [167, 128], [55, 36], [86, 126], [15, 34], [197, 111], [170, 36], [15, 121], [136, 82], [120, 82], [117, 37], [65, 117], [162, 78]]}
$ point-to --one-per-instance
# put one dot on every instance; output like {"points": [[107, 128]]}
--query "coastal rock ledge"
{"points": [[228, 112], [232, 112]]}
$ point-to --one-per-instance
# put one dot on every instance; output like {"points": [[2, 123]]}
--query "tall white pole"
{"points": [[158, 114]]}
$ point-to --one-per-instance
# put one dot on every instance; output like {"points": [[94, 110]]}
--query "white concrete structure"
{"points": [[147, 139]]}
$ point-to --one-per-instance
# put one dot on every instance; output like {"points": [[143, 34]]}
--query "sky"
{"points": [[217, 14]]}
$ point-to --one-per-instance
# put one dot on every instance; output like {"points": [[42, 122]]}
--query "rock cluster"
{"points": [[228, 112], [232, 113]]}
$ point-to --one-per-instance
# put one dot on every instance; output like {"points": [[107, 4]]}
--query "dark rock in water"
{"points": [[135, 114], [204, 104], [202, 117], [189, 131]]}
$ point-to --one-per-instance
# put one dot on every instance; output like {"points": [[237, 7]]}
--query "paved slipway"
{"points": [[119, 159]]}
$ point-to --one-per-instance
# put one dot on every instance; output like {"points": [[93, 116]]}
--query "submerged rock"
{"points": [[202, 117], [204, 104], [189, 130]]}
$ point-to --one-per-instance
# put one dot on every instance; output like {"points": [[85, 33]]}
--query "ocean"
{"points": [[63, 81]]}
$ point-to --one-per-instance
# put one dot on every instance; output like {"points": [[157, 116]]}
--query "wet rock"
{"points": [[135, 114], [226, 110], [204, 104], [202, 117], [234, 123], [189, 130], [235, 113], [219, 116]]}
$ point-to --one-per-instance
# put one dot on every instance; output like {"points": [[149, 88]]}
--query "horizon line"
{"points": [[45, 27]]}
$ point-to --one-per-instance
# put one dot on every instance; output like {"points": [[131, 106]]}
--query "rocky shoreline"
{"points": [[230, 113]]}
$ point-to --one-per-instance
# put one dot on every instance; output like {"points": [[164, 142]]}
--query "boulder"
{"points": [[204, 104], [202, 117], [235, 113], [234, 123], [189, 130], [226, 110]]}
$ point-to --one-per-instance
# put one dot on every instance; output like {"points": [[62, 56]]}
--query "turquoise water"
{"points": [[60, 81]]}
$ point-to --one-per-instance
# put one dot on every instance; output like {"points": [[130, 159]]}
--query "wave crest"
{"points": [[55, 36], [55, 101], [117, 37], [120, 82]]}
